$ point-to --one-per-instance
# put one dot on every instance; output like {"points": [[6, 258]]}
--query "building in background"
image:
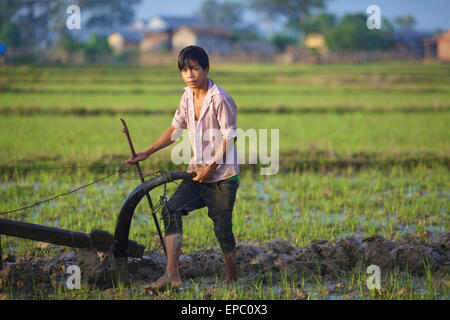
{"points": [[124, 41], [410, 40], [213, 39], [152, 35], [258, 47], [438, 47], [316, 41]]}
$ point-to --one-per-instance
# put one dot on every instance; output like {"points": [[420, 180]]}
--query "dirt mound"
{"points": [[376, 250], [330, 260], [25, 280]]}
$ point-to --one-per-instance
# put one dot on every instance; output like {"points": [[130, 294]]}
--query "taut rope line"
{"points": [[121, 170]]}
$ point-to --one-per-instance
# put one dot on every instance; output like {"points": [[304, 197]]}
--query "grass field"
{"points": [[364, 150], [339, 135], [262, 87]]}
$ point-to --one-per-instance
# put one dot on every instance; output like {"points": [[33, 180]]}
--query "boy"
{"points": [[208, 112]]}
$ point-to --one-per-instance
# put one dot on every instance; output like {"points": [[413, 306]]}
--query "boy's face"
{"points": [[194, 75]]}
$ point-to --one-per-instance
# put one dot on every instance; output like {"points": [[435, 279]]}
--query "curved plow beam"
{"points": [[129, 205]]}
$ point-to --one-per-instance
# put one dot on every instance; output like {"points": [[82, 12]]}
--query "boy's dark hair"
{"points": [[192, 53]]}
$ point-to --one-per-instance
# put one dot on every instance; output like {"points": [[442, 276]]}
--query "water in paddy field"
{"points": [[283, 204], [277, 201]]}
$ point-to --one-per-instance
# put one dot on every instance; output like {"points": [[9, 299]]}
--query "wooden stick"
{"points": [[97, 239], [133, 153]]}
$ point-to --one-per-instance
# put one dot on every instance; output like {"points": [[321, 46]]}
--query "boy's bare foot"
{"points": [[162, 284]]}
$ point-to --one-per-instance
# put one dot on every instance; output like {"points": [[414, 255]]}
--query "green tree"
{"points": [[405, 22], [247, 32], [437, 31], [351, 33], [36, 18], [296, 12], [227, 13], [68, 43], [10, 34], [320, 23], [282, 40], [94, 46], [31, 17]]}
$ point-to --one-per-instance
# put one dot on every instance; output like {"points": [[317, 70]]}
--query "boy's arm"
{"points": [[163, 141]]}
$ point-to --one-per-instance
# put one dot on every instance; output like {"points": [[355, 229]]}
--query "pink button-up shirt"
{"points": [[217, 121]]}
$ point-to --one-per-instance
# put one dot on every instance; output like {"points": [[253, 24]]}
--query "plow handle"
{"points": [[141, 176]]}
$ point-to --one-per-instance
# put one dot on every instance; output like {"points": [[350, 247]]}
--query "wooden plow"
{"points": [[100, 240]]}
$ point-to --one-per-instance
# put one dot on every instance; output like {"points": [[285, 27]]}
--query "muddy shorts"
{"points": [[218, 197]]}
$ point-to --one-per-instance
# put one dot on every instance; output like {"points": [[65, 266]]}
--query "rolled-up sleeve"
{"points": [[227, 117], [179, 119]]}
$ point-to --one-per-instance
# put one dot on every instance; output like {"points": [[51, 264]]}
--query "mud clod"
{"points": [[280, 246], [25, 279], [347, 251], [414, 258], [89, 262], [441, 243], [376, 250]]}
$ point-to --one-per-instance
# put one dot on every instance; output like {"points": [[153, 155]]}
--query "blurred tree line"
{"points": [[29, 23], [303, 17], [350, 32], [42, 23]]}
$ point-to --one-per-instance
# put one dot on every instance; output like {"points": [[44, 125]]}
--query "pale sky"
{"points": [[429, 14]]}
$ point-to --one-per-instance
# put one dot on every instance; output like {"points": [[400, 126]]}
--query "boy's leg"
{"points": [[172, 275], [230, 262], [185, 199], [219, 198], [172, 265]]}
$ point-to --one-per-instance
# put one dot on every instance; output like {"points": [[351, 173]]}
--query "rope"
{"points": [[62, 168], [160, 204], [121, 170]]}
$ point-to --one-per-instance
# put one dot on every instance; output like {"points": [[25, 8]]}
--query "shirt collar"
{"points": [[212, 88]]}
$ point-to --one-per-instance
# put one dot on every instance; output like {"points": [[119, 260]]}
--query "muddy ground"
{"points": [[329, 260]]}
